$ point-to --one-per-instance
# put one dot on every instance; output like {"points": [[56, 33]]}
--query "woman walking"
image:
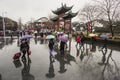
{"points": [[24, 47], [51, 44], [62, 47]]}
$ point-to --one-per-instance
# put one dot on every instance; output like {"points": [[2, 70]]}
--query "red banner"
{"points": [[88, 25]]}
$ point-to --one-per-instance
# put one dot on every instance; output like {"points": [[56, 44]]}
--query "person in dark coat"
{"points": [[11, 34], [82, 41], [41, 38], [21, 34], [24, 47], [105, 44], [93, 43], [51, 45], [62, 46]]}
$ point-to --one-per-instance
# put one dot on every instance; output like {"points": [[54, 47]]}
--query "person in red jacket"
{"points": [[78, 40]]}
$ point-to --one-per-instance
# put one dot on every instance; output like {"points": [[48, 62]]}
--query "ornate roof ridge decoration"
{"points": [[62, 9], [70, 14]]}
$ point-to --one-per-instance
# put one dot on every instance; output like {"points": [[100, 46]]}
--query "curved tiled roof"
{"points": [[70, 14], [62, 9]]}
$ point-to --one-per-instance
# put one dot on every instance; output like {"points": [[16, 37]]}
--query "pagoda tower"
{"points": [[62, 22], [63, 19]]}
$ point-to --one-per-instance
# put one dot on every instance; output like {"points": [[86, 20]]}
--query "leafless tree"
{"points": [[89, 13], [110, 11]]}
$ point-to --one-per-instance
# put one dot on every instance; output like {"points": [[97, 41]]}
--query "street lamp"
{"points": [[3, 23]]}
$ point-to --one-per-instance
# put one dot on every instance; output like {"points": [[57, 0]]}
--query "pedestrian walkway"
{"points": [[40, 67]]}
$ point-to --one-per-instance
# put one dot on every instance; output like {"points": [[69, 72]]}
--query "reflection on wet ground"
{"points": [[0, 77], [109, 68], [26, 75], [50, 73], [3, 42], [90, 62]]}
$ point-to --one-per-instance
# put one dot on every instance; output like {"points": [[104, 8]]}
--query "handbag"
{"points": [[29, 52]]}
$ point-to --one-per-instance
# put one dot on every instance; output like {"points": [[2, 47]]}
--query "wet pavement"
{"points": [[80, 64]]}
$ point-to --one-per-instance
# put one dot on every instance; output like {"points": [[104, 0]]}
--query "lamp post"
{"points": [[3, 24]]}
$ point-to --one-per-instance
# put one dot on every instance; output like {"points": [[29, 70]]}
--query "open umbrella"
{"points": [[59, 32], [63, 38], [1, 31], [50, 37], [104, 36], [26, 37], [65, 35], [92, 35]]}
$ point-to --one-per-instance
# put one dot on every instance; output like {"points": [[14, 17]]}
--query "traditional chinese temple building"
{"points": [[63, 20]]}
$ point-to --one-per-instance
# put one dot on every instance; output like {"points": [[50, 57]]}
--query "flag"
{"points": [[88, 25]]}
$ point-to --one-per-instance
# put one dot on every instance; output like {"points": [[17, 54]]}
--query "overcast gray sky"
{"points": [[27, 9]]}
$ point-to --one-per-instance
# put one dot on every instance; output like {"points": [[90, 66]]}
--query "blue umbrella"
{"points": [[26, 37], [1, 31], [104, 36], [50, 37], [19, 31]]}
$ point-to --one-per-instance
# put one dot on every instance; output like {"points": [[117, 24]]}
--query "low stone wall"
{"points": [[110, 41]]}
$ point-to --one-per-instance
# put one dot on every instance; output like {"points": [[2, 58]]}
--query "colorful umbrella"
{"points": [[65, 35], [26, 37], [63, 38], [104, 36], [59, 32], [50, 37], [92, 35]]}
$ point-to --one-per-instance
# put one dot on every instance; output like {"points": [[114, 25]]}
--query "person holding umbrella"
{"points": [[24, 47], [63, 43], [105, 44], [105, 37], [51, 44], [62, 46]]}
